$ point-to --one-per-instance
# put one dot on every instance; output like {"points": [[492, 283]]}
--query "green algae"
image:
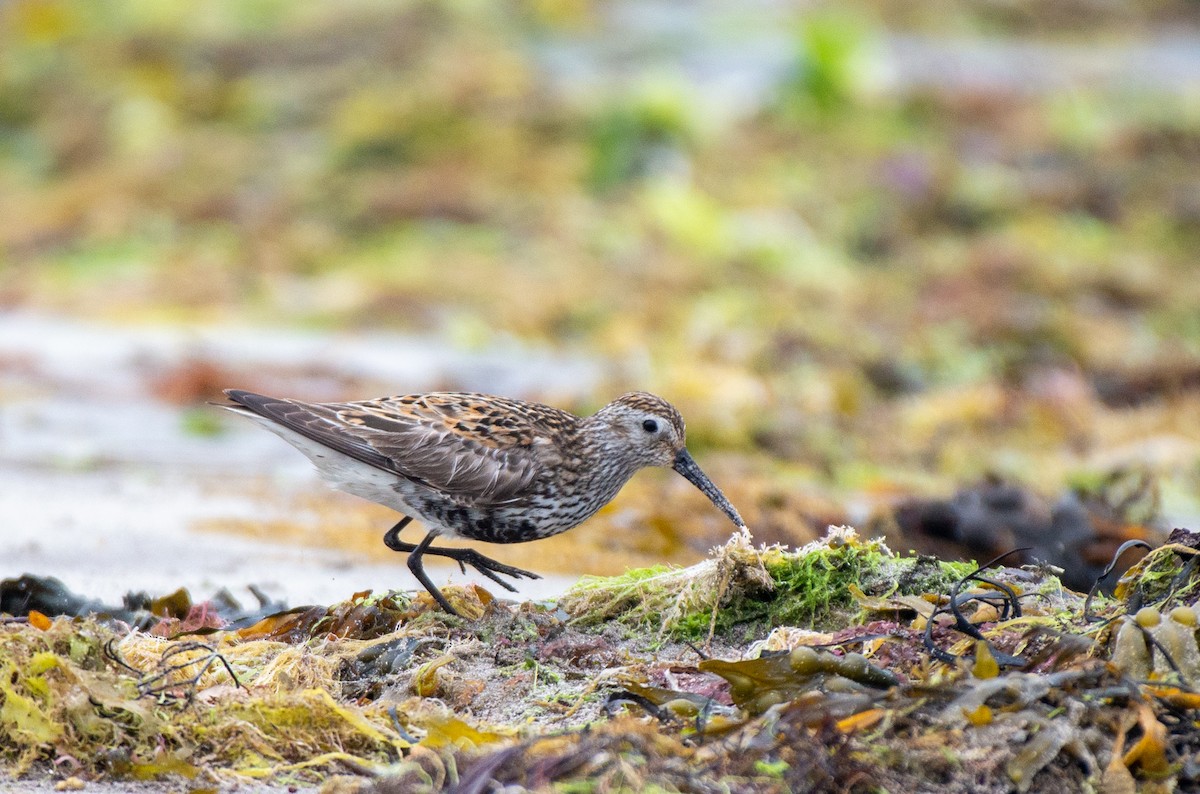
{"points": [[60, 697], [742, 592], [24, 719], [1156, 577], [624, 594]]}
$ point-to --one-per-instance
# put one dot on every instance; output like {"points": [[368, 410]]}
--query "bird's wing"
{"points": [[479, 451]]}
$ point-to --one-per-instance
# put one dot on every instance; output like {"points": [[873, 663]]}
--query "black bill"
{"points": [[688, 468]]}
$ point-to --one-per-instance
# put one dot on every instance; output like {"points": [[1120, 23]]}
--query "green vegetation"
{"points": [[59, 691], [743, 592]]}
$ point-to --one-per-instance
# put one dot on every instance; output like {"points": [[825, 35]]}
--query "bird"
{"points": [[480, 467]]}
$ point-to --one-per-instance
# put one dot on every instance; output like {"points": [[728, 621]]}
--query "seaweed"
{"points": [[744, 592], [1030, 688]]}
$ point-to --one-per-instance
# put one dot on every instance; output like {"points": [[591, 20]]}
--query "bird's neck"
{"points": [[605, 464]]}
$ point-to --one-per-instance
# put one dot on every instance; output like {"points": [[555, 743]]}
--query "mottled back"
{"points": [[475, 449]]}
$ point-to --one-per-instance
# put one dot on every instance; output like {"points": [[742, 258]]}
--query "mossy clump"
{"points": [[671, 600], [747, 590]]}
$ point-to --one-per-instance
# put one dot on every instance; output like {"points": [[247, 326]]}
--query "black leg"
{"points": [[391, 538], [464, 557], [418, 570]]}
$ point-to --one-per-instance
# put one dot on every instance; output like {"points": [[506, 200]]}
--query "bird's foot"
{"points": [[490, 568], [485, 565]]}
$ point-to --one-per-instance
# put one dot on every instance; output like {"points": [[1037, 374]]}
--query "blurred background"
{"points": [[927, 268]]}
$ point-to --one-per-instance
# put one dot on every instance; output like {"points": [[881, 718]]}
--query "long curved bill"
{"points": [[685, 465]]}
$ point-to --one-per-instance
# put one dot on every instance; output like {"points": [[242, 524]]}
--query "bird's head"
{"points": [[647, 428], [649, 431]]}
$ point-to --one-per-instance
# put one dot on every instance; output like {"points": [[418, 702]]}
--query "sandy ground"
{"points": [[106, 533]]}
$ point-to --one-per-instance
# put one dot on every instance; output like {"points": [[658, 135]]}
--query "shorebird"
{"points": [[478, 467]]}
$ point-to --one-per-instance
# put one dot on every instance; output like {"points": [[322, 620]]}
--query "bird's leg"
{"points": [[418, 570], [464, 557], [391, 538]]}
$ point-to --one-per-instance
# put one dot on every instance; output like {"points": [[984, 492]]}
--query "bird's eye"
{"points": [[650, 426]]}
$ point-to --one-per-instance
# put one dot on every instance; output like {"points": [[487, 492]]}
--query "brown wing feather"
{"points": [[479, 451], [311, 420]]}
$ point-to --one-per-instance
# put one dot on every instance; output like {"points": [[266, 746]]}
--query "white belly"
{"points": [[348, 474]]}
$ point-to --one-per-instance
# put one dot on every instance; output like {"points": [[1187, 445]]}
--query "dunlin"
{"points": [[478, 467]]}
